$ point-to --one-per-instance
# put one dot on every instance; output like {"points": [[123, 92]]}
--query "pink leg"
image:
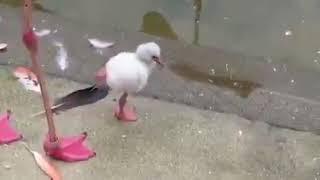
{"points": [[123, 111]]}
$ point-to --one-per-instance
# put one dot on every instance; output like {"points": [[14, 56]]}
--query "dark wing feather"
{"points": [[80, 97]]}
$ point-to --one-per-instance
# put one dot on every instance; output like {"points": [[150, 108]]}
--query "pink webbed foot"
{"points": [[69, 149], [7, 133], [128, 114]]}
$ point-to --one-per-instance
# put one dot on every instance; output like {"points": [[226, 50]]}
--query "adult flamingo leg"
{"points": [[68, 149]]}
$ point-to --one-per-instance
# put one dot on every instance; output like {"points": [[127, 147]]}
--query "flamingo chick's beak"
{"points": [[158, 61]]}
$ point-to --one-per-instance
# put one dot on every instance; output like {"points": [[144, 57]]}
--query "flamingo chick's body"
{"points": [[128, 73]]}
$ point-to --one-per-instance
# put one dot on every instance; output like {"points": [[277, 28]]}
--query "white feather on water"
{"points": [[99, 43], [62, 56], [3, 46], [43, 32]]}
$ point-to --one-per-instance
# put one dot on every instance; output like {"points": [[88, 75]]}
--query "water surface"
{"points": [[286, 31]]}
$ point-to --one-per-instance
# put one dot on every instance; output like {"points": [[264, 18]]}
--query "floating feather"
{"points": [[43, 32], [3, 46], [99, 43]]}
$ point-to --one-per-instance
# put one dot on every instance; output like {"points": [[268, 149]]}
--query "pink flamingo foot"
{"points": [[7, 133], [69, 149], [128, 114]]}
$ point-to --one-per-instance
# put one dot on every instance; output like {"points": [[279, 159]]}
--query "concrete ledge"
{"points": [[169, 141]]}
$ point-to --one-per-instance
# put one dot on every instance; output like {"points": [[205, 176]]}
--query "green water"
{"points": [[18, 3], [251, 27]]}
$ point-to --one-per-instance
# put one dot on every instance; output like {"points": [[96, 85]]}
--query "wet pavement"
{"points": [[169, 141], [204, 77]]}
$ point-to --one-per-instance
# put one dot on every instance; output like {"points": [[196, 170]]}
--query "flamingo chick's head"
{"points": [[149, 53]]}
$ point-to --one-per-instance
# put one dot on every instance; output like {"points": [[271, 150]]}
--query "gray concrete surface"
{"points": [[169, 141]]}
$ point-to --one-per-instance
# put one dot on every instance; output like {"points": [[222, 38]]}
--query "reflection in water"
{"points": [[62, 56], [241, 87], [197, 5], [18, 3], [155, 24]]}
